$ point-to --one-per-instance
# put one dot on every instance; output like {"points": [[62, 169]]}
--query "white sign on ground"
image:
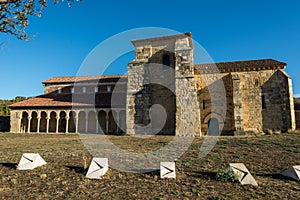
{"points": [[243, 174], [292, 172], [98, 167], [167, 170], [30, 161]]}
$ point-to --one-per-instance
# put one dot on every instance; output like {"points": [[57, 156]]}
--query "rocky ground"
{"points": [[63, 176]]}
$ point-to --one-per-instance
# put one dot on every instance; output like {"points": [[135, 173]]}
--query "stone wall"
{"points": [[170, 86], [255, 100]]}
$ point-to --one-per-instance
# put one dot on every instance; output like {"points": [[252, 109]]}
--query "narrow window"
{"points": [[84, 89], [263, 102], [59, 90], [96, 89], [72, 90], [204, 105], [166, 61], [108, 89], [256, 83]]}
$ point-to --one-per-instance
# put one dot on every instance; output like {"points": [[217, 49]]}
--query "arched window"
{"points": [[166, 61]]}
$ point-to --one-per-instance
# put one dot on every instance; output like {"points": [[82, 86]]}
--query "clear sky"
{"points": [[228, 29]]}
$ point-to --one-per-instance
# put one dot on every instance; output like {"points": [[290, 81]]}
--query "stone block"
{"points": [[98, 168], [243, 174], [167, 170], [30, 161]]}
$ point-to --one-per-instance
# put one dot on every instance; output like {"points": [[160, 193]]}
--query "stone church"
{"points": [[164, 92]]}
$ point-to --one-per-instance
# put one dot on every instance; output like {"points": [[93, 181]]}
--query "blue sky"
{"points": [[228, 30]]}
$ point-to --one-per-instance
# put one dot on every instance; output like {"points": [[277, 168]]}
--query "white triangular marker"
{"points": [[98, 167], [30, 161], [292, 172], [167, 170], [243, 174]]}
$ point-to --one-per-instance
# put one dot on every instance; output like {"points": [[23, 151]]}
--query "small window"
{"points": [[84, 89], [166, 61], [263, 102], [72, 90], [256, 83], [59, 91], [108, 89], [96, 89]]}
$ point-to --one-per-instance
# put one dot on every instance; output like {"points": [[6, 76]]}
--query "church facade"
{"points": [[164, 92]]}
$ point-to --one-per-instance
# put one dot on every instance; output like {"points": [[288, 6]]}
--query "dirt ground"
{"points": [[63, 177]]}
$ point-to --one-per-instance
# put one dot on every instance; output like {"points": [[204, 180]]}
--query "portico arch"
{"points": [[33, 122]]}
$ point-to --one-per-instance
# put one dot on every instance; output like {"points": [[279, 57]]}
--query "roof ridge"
{"points": [[241, 61]]}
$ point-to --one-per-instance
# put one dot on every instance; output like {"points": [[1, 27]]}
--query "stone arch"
{"points": [[33, 122], [62, 127], [24, 122], [52, 122], [112, 125], [72, 122], [217, 119], [102, 121], [43, 122], [213, 115], [92, 122], [81, 122]]}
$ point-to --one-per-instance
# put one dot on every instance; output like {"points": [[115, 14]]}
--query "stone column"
{"points": [[48, 121], [118, 121], [38, 123], [67, 123], [107, 118], [76, 122], [86, 122], [237, 104], [20, 124], [29, 121], [57, 124], [97, 123]]}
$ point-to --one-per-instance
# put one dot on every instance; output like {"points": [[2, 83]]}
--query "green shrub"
{"points": [[226, 174]]}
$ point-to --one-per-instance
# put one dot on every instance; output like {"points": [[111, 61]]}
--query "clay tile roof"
{"points": [[67, 100], [240, 64], [73, 79]]}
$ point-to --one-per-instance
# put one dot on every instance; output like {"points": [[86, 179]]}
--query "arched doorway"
{"points": [[112, 125], [52, 122], [102, 121], [43, 122], [122, 121], [33, 122], [72, 126], [62, 122], [24, 123], [81, 122], [92, 122], [213, 127]]}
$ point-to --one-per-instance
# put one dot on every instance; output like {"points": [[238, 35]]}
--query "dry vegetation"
{"points": [[63, 176]]}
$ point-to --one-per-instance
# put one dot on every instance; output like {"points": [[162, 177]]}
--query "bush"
{"points": [[226, 175]]}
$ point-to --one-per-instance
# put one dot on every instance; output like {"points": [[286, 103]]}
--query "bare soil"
{"points": [[63, 177]]}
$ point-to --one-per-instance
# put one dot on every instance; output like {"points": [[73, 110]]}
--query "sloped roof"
{"points": [[163, 38], [263, 63], [69, 100], [73, 79]]}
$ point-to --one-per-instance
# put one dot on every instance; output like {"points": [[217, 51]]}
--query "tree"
{"points": [[14, 15]]}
